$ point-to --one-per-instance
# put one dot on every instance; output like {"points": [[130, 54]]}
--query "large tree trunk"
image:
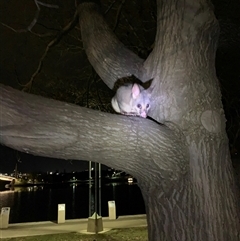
{"points": [[194, 204], [198, 205], [183, 165]]}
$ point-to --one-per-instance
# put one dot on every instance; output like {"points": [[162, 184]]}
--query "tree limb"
{"points": [[35, 19], [109, 57], [52, 43], [51, 128]]}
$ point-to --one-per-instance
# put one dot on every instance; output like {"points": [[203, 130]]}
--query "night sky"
{"points": [[30, 163]]}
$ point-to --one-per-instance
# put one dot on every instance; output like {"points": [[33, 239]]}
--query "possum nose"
{"points": [[144, 114]]}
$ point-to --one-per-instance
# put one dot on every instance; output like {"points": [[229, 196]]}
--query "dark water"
{"points": [[33, 204]]}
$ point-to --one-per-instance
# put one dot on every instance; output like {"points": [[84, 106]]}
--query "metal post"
{"points": [[95, 223], [89, 185], [96, 192], [99, 189]]}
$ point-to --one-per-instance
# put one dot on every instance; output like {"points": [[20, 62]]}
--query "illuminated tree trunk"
{"points": [[186, 200], [182, 165]]}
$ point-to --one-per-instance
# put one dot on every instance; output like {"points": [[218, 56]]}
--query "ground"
{"points": [[126, 234]]}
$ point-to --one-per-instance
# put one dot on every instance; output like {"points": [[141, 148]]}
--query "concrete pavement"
{"points": [[74, 225]]}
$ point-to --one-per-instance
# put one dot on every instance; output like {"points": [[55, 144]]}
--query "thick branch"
{"points": [[109, 57], [51, 128]]}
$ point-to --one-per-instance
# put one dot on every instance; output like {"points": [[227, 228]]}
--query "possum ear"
{"points": [[135, 91]]}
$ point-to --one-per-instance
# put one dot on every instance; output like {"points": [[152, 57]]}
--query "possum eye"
{"points": [[147, 106], [139, 106]]}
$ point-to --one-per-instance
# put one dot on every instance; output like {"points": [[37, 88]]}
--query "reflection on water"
{"points": [[39, 203], [6, 198]]}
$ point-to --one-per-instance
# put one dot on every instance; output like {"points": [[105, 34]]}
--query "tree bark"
{"points": [[183, 165], [187, 99], [109, 57], [45, 127]]}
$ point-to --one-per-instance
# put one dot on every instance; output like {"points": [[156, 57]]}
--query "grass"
{"points": [[125, 234]]}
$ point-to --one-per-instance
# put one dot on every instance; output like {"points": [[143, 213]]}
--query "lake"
{"points": [[32, 204]]}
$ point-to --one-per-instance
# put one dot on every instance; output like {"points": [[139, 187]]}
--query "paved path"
{"points": [[75, 225]]}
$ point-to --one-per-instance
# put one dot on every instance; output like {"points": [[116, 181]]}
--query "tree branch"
{"points": [[51, 128], [35, 19], [109, 57], [52, 43], [118, 15]]}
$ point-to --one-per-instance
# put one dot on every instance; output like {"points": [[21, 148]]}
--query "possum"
{"points": [[132, 99]]}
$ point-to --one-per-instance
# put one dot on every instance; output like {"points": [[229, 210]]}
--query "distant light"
{"points": [[50, 173], [92, 168], [130, 180]]}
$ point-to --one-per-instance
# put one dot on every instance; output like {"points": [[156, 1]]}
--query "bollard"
{"points": [[4, 217], [95, 224], [111, 210], [61, 213]]}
